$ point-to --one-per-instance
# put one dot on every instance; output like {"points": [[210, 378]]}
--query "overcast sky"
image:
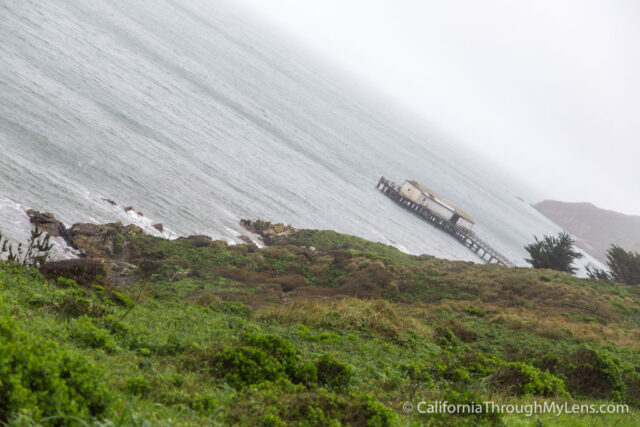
{"points": [[548, 89]]}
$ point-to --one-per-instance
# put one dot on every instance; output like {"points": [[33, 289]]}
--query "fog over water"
{"points": [[548, 90]]}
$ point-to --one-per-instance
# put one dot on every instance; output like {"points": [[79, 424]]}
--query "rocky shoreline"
{"points": [[104, 251]]}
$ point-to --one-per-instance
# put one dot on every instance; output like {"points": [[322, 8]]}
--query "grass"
{"points": [[236, 335]]}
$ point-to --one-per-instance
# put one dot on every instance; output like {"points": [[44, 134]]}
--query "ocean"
{"points": [[198, 116]]}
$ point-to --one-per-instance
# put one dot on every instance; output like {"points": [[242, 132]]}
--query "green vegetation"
{"points": [[624, 265], [343, 333], [36, 253], [554, 252]]}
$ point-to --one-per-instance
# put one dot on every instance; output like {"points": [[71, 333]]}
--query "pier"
{"points": [[466, 237]]}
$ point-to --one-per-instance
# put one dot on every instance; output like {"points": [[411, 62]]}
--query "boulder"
{"points": [[271, 234], [103, 240], [159, 227], [120, 273], [245, 239], [47, 222]]}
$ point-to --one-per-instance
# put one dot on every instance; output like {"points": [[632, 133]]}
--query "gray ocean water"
{"points": [[198, 117]]}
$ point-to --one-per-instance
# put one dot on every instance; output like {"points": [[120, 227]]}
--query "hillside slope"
{"points": [[319, 328], [596, 229]]}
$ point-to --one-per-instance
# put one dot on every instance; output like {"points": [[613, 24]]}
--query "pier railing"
{"points": [[466, 237]]}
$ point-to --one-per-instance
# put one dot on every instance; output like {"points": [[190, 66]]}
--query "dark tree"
{"points": [[624, 266], [598, 274], [554, 252]]}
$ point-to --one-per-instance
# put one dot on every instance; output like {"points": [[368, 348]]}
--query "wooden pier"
{"points": [[466, 237]]}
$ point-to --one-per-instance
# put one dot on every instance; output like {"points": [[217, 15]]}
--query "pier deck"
{"points": [[466, 237]]}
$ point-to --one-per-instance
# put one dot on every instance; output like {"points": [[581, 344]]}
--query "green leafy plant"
{"points": [[243, 366], [525, 380], [332, 372], [121, 299], [83, 331], [138, 385], [232, 307], [39, 379], [263, 357]]}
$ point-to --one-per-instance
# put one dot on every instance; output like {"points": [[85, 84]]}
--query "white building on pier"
{"points": [[439, 206]]}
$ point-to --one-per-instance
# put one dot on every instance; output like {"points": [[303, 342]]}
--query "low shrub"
{"points": [[263, 357], [473, 310], [375, 413], [304, 373], [417, 373], [204, 403], [471, 412], [169, 346], [243, 366], [122, 299], [232, 307], [525, 380], [138, 385], [595, 374], [64, 282], [480, 363], [279, 405], [38, 379], [445, 337], [333, 373], [450, 370], [85, 333], [463, 332], [72, 304], [282, 350], [632, 391]]}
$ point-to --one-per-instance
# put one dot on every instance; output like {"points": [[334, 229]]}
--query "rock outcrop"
{"points": [[199, 240], [47, 222], [271, 234], [103, 240], [104, 249]]}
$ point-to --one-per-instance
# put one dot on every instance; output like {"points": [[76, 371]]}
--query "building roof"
{"points": [[442, 201]]}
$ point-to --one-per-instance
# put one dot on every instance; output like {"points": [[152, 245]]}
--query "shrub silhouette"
{"points": [[552, 252], [624, 265]]}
